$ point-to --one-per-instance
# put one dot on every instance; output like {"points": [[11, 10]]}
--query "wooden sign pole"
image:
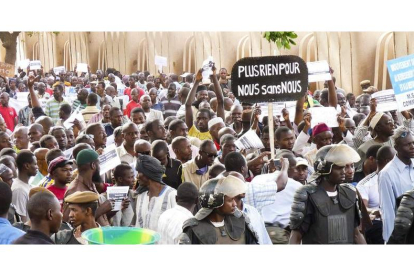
{"points": [[271, 130]]}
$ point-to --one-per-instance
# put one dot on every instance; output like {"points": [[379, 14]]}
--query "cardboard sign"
{"points": [[59, 69], [35, 65], [318, 71], [327, 115], [109, 159], [269, 79], [117, 193], [385, 100], [401, 72], [6, 70]]}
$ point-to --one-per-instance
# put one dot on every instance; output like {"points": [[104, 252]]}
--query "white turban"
{"points": [[375, 119]]}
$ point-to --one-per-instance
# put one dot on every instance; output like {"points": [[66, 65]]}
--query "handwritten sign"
{"points": [[35, 65], [401, 71], [385, 100], [327, 115], [318, 71], [109, 159], [6, 70], [269, 79]]}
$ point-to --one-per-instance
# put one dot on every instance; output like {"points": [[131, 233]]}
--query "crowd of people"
{"points": [[187, 179]]}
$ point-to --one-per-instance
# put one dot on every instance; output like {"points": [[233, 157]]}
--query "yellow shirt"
{"points": [[194, 132]]}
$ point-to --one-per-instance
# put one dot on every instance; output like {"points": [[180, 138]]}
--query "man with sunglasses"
{"points": [[396, 178], [196, 170]]}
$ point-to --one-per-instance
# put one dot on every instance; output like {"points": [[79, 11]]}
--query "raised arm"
{"points": [[332, 98], [30, 82], [219, 94], [190, 100], [299, 110]]}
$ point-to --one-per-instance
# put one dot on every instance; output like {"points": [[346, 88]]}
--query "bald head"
{"points": [[141, 147], [46, 123], [226, 130]]}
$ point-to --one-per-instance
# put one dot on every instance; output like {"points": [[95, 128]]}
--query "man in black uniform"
{"points": [[82, 207], [219, 221], [326, 211], [403, 232]]}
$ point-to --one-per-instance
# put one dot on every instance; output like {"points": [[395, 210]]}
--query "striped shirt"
{"points": [[52, 109], [77, 103], [171, 106]]}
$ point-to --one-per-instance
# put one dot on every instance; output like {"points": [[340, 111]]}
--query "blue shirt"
{"points": [[8, 233], [395, 179]]}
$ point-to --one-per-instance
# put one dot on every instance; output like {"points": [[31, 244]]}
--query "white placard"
{"points": [[117, 193], [82, 67], [161, 61], [318, 71], [327, 115], [59, 69], [207, 69], [109, 159], [76, 114], [110, 140], [35, 65], [68, 153], [24, 63], [185, 75], [385, 100], [249, 140]]}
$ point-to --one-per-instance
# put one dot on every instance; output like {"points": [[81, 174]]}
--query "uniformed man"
{"points": [[82, 208], [219, 221], [403, 232], [326, 211]]}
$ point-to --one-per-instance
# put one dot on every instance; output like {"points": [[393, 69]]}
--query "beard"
{"points": [[96, 177]]}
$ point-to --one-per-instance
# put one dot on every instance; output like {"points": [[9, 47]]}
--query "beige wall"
{"points": [[354, 56]]}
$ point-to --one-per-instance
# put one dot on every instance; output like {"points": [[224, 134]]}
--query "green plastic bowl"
{"points": [[120, 235]]}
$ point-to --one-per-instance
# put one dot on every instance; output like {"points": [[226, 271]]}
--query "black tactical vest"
{"points": [[333, 218]]}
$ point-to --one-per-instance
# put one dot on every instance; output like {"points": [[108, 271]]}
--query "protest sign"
{"points": [[249, 140], [185, 75], [23, 63], [110, 140], [21, 101], [76, 114], [109, 159], [385, 100], [68, 153], [35, 65], [59, 69], [318, 71], [160, 62], [6, 70], [269, 79], [82, 67], [277, 110], [327, 115], [401, 71], [207, 69], [117, 193]]}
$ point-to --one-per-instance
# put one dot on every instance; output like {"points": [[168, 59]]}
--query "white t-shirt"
{"points": [[170, 224], [368, 188], [20, 196]]}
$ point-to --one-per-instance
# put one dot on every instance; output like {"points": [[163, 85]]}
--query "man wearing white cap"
{"points": [[219, 221], [383, 126], [328, 212], [214, 126]]}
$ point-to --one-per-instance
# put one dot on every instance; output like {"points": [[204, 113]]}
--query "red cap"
{"points": [[319, 128]]}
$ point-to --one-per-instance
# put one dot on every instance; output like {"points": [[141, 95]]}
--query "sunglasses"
{"points": [[144, 152], [210, 155]]}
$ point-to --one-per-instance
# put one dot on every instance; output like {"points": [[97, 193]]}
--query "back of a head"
{"points": [[372, 151], [187, 192], [159, 145], [92, 99], [384, 155], [38, 205], [53, 154], [5, 198], [66, 108], [234, 161], [215, 170]]}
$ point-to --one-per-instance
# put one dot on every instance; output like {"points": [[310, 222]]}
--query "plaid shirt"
{"points": [[261, 191]]}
